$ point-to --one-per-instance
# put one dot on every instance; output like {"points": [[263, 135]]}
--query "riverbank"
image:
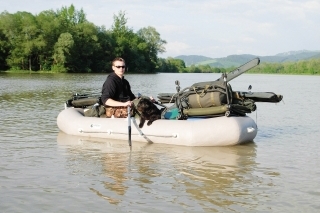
{"points": [[29, 72], [51, 72]]}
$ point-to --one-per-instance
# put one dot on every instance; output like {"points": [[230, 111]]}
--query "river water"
{"points": [[44, 170]]}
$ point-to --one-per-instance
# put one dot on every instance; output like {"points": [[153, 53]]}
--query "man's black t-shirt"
{"points": [[117, 89]]}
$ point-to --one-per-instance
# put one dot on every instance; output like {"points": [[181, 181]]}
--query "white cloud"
{"points": [[176, 48]]}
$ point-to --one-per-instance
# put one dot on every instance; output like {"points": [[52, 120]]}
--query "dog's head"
{"points": [[146, 106]]}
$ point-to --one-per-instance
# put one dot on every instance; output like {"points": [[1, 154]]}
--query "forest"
{"points": [[303, 67], [65, 41]]}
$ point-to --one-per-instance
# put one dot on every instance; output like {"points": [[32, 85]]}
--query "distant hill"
{"points": [[237, 60], [193, 59]]}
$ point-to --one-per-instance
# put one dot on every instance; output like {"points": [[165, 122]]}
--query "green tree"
{"points": [[125, 42], [178, 64], [194, 69], [69, 17], [171, 65], [4, 50], [153, 44], [85, 44], [49, 26], [24, 38], [102, 54], [64, 40], [61, 54], [139, 49]]}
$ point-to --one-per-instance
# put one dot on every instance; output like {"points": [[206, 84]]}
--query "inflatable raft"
{"points": [[216, 131], [204, 114]]}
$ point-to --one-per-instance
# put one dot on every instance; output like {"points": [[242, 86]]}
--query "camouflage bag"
{"points": [[117, 112], [95, 110]]}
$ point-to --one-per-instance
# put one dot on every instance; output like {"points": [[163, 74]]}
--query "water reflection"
{"points": [[203, 175]]}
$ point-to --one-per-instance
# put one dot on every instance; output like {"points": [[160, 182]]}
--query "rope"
{"points": [[139, 130], [125, 133]]}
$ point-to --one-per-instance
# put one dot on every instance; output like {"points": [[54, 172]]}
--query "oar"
{"points": [[242, 69], [233, 74], [129, 127]]}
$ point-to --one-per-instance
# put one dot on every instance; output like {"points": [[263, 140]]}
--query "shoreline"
{"points": [[51, 72]]}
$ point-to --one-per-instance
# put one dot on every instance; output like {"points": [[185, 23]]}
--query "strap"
{"points": [[139, 130], [212, 98], [198, 100]]}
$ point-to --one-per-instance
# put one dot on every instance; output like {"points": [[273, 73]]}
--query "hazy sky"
{"points": [[213, 28]]}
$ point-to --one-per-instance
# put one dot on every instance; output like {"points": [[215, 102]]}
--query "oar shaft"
{"points": [[243, 68], [129, 126]]}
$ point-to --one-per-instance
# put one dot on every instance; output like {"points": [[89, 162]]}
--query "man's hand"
{"points": [[152, 99]]}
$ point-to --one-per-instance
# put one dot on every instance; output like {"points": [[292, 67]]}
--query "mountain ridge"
{"points": [[237, 60]]}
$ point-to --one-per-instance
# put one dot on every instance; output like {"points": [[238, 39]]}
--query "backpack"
{"points": [[206, 99], [95, 110]]}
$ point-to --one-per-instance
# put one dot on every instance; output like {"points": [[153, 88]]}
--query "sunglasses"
{"points": [[120, 67]]}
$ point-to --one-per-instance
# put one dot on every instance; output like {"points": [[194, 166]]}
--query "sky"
{"points": [[212, 28]]}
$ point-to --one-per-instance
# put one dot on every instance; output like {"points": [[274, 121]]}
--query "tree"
{"points": [[32, 42], [153, 43], [24, 38], [85, 44], [4, 50], [171, 65], [194, 69], [122, 36], [49, 26], [64, 40], [69, 16], [130, 46], [102, 55], [61, 54]]}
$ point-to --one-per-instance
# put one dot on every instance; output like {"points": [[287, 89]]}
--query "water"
{"points": [[44, 170]]}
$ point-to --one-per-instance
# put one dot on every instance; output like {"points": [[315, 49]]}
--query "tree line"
{"points": [[65, 41], [308, 67]]}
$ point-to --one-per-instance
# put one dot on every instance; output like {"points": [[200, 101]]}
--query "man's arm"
{"points": [[111, 102]]}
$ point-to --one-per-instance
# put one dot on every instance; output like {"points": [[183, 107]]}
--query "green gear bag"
{"points": [[95, 111], [208, 99]]}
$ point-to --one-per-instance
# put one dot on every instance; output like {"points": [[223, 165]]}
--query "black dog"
{"points": [[147, 111]]}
